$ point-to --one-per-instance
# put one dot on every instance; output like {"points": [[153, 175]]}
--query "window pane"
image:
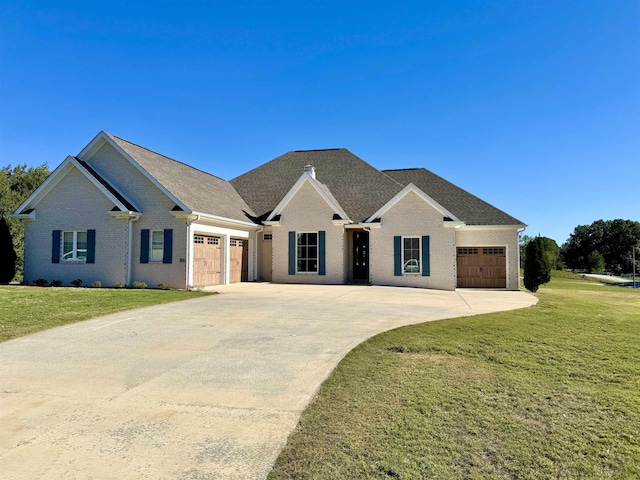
{"points": [[81, 246], [157, 245], [67, 245]]}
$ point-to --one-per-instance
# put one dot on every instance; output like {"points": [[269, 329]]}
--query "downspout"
{"points": [[133, 218], [520, 230], [189, 243]]}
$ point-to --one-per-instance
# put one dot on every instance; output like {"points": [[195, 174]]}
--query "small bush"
{"points": [[56, 283], [139, 285], [40, 282], [119, 285], [77, 282], [96, 284], [164, 286]]}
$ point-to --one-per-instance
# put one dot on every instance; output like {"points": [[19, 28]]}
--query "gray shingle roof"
{"points": [[198, 190], [359, 188], [467, 207]]}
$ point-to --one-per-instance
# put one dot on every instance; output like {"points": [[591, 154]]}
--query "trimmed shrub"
{"points": [[537, 270], [77, 282], [40, 282], [96, 284], [119, 285], [164, 286], [138, 285], [56, 283]]}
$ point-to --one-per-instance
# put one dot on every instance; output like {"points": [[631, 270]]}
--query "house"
{"points": [[119, 213]]}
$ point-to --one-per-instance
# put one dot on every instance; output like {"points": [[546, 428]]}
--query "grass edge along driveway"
{"points": [[551, 391], [26, 310]]}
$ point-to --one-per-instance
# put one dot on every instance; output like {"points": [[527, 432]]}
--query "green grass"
{"points": [[26, 310], [552, 391]]}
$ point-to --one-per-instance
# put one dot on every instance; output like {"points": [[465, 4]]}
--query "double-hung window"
{"points": [[307, 252], [74, 246], [156, 246], [411, 254], [156, 249]]}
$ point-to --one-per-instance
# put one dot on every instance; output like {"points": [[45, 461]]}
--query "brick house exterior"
{"points": [[120, 213]]}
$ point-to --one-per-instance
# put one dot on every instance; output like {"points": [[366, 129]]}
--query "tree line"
{"points": [[603, 246]]}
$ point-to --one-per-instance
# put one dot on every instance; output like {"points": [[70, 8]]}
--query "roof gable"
{"points": [[359, 188], [426, 198], [465, 206], [70, 163], [322, 190], [191, 189]]}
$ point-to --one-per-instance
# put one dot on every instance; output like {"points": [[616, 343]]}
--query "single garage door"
{"points": [[238, 260], [206, 261], [482, 267]]}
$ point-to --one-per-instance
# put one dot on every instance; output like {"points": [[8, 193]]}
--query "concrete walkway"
{"points": [[207, 388]]}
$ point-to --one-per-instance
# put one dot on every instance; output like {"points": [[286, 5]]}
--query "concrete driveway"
{"points": [[207, 388]]}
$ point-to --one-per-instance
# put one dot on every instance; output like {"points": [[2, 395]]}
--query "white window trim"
{"points": [[151, 259], [298, 272], [419, 272], [74, 252]]}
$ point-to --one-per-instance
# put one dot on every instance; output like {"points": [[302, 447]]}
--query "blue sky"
{"points": [[533, 106]]}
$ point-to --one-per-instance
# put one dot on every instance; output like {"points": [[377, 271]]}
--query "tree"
{"points": [[613, 239], [16, 184], [537, 270], [524, 240], [596, 262], [7, 254]]}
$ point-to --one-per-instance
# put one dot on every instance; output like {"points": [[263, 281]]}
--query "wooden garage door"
{"points": [[482, 267], [238, 260], [206, 261]]}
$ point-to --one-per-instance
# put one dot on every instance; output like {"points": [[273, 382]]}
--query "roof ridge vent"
{"points": [[311, 170]]}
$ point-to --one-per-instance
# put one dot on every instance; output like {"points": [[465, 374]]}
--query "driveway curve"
{"points": [[205, 388]]}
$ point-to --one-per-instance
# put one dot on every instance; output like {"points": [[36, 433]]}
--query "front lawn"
{"points": [[25, 310], [552, 391]]}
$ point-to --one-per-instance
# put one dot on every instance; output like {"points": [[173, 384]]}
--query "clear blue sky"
{"points": [[533, 106]]}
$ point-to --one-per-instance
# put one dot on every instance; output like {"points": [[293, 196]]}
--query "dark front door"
{"points": [[361, 256]]}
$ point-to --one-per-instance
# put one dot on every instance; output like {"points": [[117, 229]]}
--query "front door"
{"points": [[361, 256]]}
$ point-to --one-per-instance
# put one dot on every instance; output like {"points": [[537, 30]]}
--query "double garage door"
{"points": [[482, 267], [207, 260]]}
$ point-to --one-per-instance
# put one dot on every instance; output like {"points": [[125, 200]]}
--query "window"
{"points": [[157, 246], [199, 239], [267, 236], [212, 240], [411, 255], [307, 252], [74, 246], [493, 251]]}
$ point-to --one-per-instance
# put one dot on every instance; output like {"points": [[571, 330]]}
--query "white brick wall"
{"points": [[308, 212], [76, 204], [495, 238], [156, 215], [412, 216]]}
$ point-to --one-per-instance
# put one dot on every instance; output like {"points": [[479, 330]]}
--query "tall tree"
{"points": [[7, 254], [613, 239], [16, 184], [537, 270]]}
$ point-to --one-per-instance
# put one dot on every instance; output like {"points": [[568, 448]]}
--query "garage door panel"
{"points": [[482, 267], [206, 261]]}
